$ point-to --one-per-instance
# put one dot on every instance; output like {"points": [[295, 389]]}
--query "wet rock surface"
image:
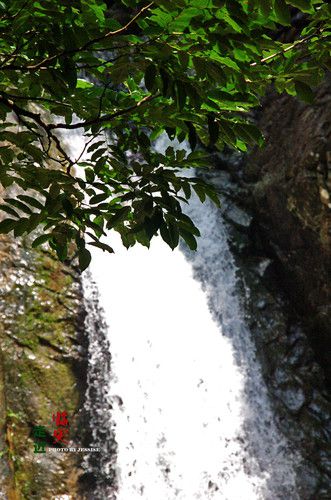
{"points": [[288, 186], [43, 369], [295, 379], [100, 478]]}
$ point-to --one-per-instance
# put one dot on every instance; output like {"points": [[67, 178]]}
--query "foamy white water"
{"points": [[192, 414], [189, 425]]}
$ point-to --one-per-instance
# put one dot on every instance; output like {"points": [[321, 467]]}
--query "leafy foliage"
{"points": [[192, 68]]}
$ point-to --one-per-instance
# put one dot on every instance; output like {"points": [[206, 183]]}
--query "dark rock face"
{"points": [[295, 380], [289, 182], [43, 368]]}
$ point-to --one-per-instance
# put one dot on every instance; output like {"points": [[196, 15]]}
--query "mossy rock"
{"points": [[42, 370]]}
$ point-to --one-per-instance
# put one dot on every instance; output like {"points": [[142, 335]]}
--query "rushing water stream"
{"points": [[193, 419], [191, 413]]}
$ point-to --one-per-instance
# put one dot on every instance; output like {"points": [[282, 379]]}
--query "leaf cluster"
{"points": [[191, 68]]}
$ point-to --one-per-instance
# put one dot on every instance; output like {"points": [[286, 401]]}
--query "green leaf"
{"points": [[165, 81], [192, 135], [143, 238], [212, 194], [186, 223], [304, 92], [265, 7], [303, 5], [224, 15], [98, 11], [98, 198], [83, 84], [96, 227], [150, 77], [21, 226], [181, 95], [119, 216], [250, 133], [144, 140], [34, 221], [201, 192], [20, 205], [174, 232], [7, 225], [68, 207], [95, 146], [6, 180], [213, 129], [170, 234], [282, 12], [31, 201], [6, 154], [89, 175], [84, 258], [227, 133], [189, 239], [69, 72], [226, 61], [98, 153], [61, 250], [34, 152], [40, 240], [99, 221], [103, 246], [9, 210], [54, 191]]}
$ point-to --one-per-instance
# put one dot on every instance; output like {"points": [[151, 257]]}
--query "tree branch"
{"points": [[31, 98], [24, 112], [52, 126], [44, 126], [102, 119]]}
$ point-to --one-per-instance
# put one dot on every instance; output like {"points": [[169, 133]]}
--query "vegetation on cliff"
{"points": [[192, 68]]}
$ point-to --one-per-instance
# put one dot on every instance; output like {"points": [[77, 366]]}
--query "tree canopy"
{"points": [[124, 73]]}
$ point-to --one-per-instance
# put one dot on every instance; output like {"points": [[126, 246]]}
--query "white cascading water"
{"points": [[191, 411]]}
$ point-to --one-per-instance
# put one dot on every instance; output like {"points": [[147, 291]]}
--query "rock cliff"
{"points": [[288, 184], [42, 370]]}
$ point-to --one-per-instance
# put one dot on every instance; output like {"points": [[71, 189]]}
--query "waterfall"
{"points": [[190, 410], [193, 419]]}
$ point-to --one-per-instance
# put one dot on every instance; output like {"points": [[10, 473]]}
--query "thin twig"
{"points": [[103, 63], [45, 62], [5, 18], [85, 147], [102, 97], [287, 49], [120, 30]]}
